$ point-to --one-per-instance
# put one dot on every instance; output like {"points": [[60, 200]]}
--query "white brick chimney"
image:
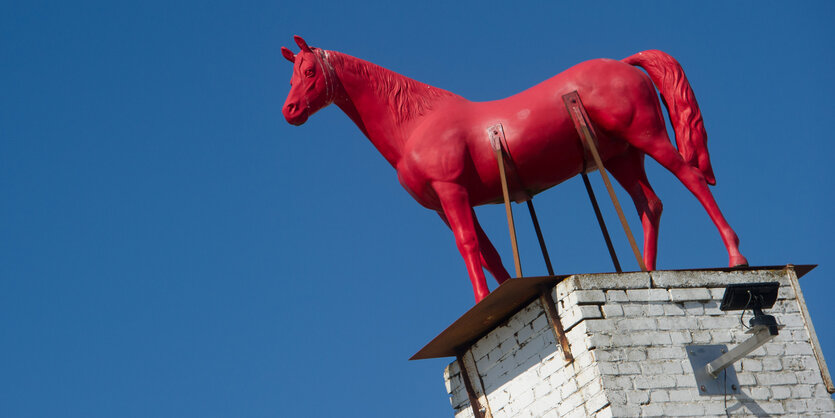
{"points": [[628, 336]]}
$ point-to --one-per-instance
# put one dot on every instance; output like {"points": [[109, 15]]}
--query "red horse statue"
{"points": [[438, 143]]}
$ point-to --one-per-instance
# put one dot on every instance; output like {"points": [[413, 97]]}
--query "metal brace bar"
{"points": [[540, 238], [583, 125], [601, 222], [554, 320], [473, 385], [496, 134], [761, 336]]}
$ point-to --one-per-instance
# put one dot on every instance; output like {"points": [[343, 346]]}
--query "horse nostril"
{"points": [[291, 107]]}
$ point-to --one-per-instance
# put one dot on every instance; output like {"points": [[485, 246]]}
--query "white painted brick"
{"points": [[647, 295], [636, 355], [781, 392], [683, 395], [612, 311], [801, 348], [586, 375], [616, 296], [570, 317], [720, 322], [697, 294], [772, 364], [808, 376], [608, 368], [524, 333], [801, 391], [694, 308], [684, 409], [685, 380], [569, 388], [701, 337], [586, 297], [658, 396], [634, 309], [652, 410], [821, 405], [663, 381], [714, 408], [498, 399], [600, 325], [596, 403], [768, 379], [655, 353], [680, 337], [752, 365], [617, 397], [655, 308], [570, 403], [677, 323], [637, 397], [772, 407], [717, 293], [746, 379], [674, 309], [796, 405], [604, 413], [712, 308], [819, 391], [634, 324], [629, 368], [579, 412], [759, 393], [540, 323]]}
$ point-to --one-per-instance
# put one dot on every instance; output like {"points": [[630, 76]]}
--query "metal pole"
{"points": [[496, 134], [541, 238], [602, 223], [577, 112]]}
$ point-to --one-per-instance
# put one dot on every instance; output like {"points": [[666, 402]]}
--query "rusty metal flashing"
{"points": [[473, 385], [510, 298], [553, 316]]}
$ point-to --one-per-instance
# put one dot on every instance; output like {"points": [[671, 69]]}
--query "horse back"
{"points": [[452, 143]]}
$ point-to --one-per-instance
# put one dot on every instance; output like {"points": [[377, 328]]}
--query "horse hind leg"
{"points": [[628, 170], [657, 144]]}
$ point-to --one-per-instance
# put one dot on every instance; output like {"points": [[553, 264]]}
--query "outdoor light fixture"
{"points": [[710, 360], [754, 296]]}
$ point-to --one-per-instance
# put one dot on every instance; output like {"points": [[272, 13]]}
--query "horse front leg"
{"points": [[455, 203], [490, 258]]}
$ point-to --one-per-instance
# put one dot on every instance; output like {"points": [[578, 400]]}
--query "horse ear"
{"points": [[301, 43], [288, 54]]}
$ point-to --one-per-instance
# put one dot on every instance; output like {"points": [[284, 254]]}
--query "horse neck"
{"points": [[386, 106]]}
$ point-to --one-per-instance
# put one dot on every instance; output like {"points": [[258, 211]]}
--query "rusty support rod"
{"points": [[554, 321], [602, 223], [583, 125], [496, 134], [540, 237]]}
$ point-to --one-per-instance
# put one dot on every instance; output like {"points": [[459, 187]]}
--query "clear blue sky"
{"points": [[171, 247]]}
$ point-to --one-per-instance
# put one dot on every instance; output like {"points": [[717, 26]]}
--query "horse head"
{"points": [[312, 85]]}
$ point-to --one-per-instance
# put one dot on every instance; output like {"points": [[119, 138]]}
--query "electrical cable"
{"points": [[744, 309]]}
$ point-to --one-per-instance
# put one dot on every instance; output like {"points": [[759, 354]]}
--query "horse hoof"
{"points": [[738, 261]]}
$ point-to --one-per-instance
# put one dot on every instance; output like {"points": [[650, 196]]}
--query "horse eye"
{"points": [[309, 72]]}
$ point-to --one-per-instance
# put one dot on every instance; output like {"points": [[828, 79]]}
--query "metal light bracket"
{"points": [[700, 356], [709, 361]]}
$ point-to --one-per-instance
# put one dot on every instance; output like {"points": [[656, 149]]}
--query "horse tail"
{"points": [[678, 97]]}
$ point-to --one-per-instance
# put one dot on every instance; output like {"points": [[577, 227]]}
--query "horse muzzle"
{"points": [[295, 115]]}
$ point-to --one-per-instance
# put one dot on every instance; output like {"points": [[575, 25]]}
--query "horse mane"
{"points": [[407, 98]]}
